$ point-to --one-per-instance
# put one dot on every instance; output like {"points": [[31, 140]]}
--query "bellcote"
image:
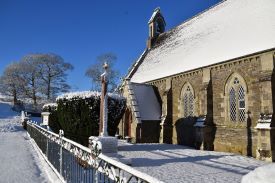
{"points": [[156, 26]]}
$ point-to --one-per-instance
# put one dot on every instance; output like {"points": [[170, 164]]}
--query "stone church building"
{"points": [[208, 83]]}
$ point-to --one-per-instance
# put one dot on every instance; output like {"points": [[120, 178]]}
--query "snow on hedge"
{"points": [[86, 94], [51, 105], [263, 174]]}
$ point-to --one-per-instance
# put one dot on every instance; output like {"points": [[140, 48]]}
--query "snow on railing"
{"points": [[77, 163]]}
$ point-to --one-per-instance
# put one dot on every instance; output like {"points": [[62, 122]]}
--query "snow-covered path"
{"points": [[19, 162], [176, 164]]}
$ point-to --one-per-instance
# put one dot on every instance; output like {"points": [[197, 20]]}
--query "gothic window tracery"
{"points": [[237, 99], [187, 101]]}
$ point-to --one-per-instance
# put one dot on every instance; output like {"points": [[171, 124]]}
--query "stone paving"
{"points": [[175, 163]]}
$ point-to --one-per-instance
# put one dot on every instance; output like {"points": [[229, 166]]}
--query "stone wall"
{"points": [[236, 140], [237, 137], [209, 86], [211, 99]]}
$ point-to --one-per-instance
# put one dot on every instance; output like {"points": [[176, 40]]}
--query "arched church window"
{"points": [[237, 99], [232, 103], [188, 101]]}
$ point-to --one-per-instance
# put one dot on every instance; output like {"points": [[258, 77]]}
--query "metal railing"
{"points": [[77, 163]]}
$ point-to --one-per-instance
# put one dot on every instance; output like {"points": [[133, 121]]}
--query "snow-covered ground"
{"points": [[5, 110], [263, 174], [174, 163], [19, 162]]}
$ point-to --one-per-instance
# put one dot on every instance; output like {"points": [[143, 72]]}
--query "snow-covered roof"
{"points": [[156, 11], [136, 64], [232, 29], [149, 107]]}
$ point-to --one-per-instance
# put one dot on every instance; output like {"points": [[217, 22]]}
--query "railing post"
{"points": [[105, 169], [96, 148], [47, 147], [96, 173], [24, 120], [61, 133]]}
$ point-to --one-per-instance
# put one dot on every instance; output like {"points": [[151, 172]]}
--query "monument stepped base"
{"points": [[109, 144]]}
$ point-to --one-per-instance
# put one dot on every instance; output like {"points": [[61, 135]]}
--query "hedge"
{"points": [[78, 115]]}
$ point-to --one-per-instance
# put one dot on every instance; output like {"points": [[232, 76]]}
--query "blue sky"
{"points": [[80, 30]]}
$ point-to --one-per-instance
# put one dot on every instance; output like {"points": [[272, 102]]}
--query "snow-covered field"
{"points": [[174, 163], [19, 162]]}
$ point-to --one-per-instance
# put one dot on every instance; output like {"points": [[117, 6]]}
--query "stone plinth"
{"points": [[109, 144], [264, 138], [199, 127]]}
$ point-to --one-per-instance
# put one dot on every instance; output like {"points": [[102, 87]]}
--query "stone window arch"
{"points": [[187, 101], [236, 98]]}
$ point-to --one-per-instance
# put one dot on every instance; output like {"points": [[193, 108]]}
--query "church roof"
{"points": [[231, 29], [146, 99]]}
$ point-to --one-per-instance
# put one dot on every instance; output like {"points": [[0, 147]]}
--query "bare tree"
{"points": [[11, 82], [52, 72], [35, 76], [94, 71], [28, 66]]}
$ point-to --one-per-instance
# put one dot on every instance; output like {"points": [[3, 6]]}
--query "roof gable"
{"points": [[229, 30]]}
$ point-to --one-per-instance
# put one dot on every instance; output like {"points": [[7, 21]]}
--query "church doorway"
{"points": [[127, 123]]}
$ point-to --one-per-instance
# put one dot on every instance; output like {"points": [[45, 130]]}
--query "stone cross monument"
{"points": [[104, 103], [108, 143]]}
